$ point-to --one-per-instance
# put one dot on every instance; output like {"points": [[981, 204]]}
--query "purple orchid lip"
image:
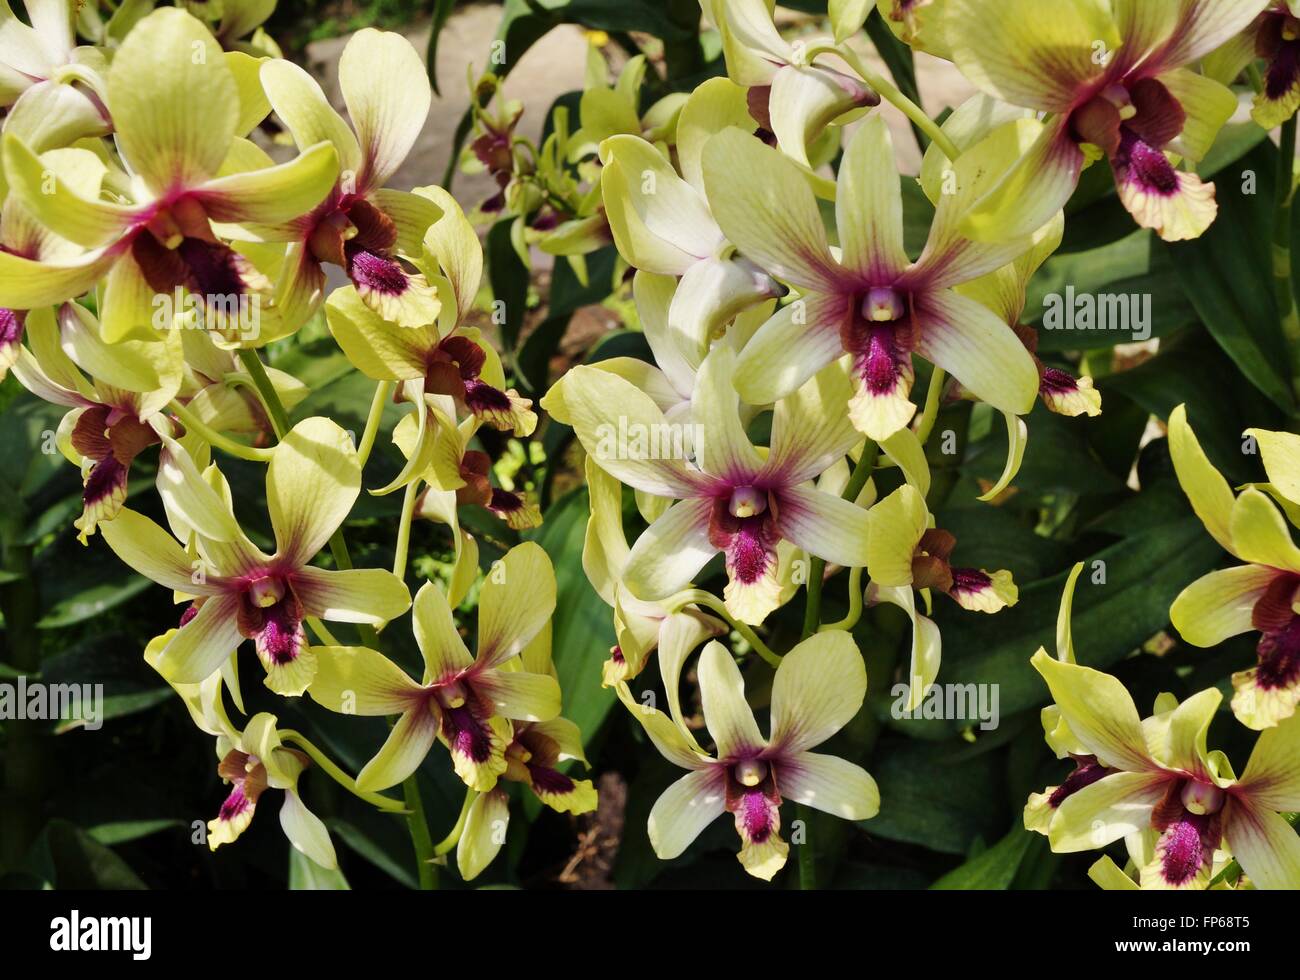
{"points": [[466, 733], [1279, 657], [1188, 839], [11, 326], [1087, 771], [749, 541], [375, 272], [234, 804]]}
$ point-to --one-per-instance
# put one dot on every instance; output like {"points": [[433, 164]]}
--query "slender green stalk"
{"points": [[266, 391], [892, 94], [420, 837], [701, 598], [409, 498], [382, 392], [332, 769], [930, 412], [322, 632], [453, 838], [215, 438], [1283, 288], [817, 567], [855, 604]]}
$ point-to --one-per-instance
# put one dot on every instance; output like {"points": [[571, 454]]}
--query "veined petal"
{"points": [[1208, 105], [166, 66], [1271, 780], [825, 525], [436, 634], [1220, 605], [672, 742], [1100, 712], [303, 108], [155, 554], [831, 784], [1012, 51], [771, 216], [1180, 742], [715, 105], [726, 712], [202, 645], [927, 643], [1114, 806], [515, 602], [26, 284], [1281, 454], [799, 340], [352, 595], [377, 348], [484, 833], [306, 831], [1266, 846], [684, 810], [974, 346], [897, 525], [869, 205], [273, 194], [361, 681], [819, 688], [711, 294], [1210, 496], [671, 551], [677, 355], [521, 695], [679, 635], [1204, 25], [805, 99], [402, 752], [387, 93], [811, 428], [1260, 534], [311, 484], [726, 452]]}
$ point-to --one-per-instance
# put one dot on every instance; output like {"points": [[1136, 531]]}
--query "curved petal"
{"points": [[811, 428], [726, 451], [1114, 806], [712, 293], [1100, 712], [869, 205], [726, 712], [155, 554], [824, 525], [1210, 496], [518, 694], [1271, 779], [1220, 605], [516, 601], [402, 752], [805, 99], [167, 65], [1260, 534], [819, 688], [1204, 25], [897, 524], [830, 784], [799, 340], [1281, 454], [684, 810], [377, 348], [273, 194], [437, 636], [306, 831], [352, 595], [671, 551], [1180, 742], [303, 108], [361, 681], [1265, 845], [979, 350], [771, 215], [484, 834], [387, 93], [204, 644], [311, 484]]}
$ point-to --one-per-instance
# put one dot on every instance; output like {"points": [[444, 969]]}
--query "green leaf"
{"points": [[509, 278], [991, 870], [70, 859], [441, 12], [123, 831], [583, 627]]}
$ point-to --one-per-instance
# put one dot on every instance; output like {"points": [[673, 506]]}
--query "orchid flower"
{"points": [[464, 701], [735, 500], [367, 229], [1277, 41], [1260, 595], [52, 88], [312, 482], [906, 553], [217, 389], [1156, 775], [818, 689], [661, 221], [253, 761], [107, 426], [873, 303], [788, 97], [1113, 77], [610, 109], [162, 241]]}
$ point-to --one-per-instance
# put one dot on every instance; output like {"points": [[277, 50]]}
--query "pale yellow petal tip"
{"points": [[1039, 811], [1177, 217], [992, 593], [880, 416], [1270, 113], [292, 678], [1259, 708], [766, 859], [754, 602], [1084, 399]]}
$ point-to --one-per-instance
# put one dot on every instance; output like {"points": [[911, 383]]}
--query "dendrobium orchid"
{"points": [[1156, 775], [818, 689], [312, 482], [161, 240], [1114, 77], [1260, 595], [1277, 41], [464, 701], [253, 761], [370, 231], [872, 302], [735, 500]]}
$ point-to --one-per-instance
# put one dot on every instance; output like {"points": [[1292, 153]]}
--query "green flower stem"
{"points": [[701, 598], [409, 498], [322, 632], [453, 838], [930, 412], [266, 391], [418, 825], [892, 94], [215, 438], [327, 765], [382, 391], [855, 604], [1282, 274]]}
